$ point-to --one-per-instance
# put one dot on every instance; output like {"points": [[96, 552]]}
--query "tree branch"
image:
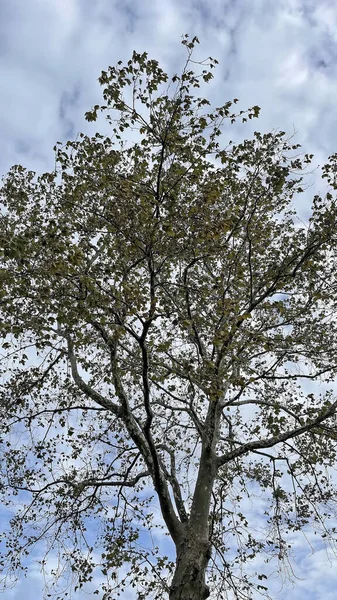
{"points": [[141, 438], [83, 386], [272, 441], [172, 478]]}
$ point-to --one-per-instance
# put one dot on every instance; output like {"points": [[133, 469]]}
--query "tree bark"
{"points": [[195, 549], [193, 556]]}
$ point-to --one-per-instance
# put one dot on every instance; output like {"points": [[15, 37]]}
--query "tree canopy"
{"points": [[169, 347]]}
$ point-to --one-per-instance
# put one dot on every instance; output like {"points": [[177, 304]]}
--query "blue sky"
{"points": [[278, 54]]}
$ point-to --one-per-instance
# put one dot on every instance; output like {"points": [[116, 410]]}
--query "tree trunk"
{"points": [[195, 550], [189, 582]]}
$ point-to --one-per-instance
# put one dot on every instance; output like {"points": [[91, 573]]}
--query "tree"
{"points": [[169, 336]]}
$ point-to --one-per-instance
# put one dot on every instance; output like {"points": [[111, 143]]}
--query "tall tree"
{"points": [[168, 339]]}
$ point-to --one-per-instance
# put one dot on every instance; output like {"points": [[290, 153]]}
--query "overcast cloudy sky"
{"points": [[279, 54]]}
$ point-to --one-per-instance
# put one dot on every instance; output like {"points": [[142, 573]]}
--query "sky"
{"points": [[278, 54]]}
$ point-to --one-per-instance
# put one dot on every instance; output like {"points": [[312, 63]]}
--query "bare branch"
{"points": [[83, 386], [172, 478]]}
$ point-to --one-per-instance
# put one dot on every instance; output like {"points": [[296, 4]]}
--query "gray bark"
{"points": [[193, 555], [195, 549]]}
